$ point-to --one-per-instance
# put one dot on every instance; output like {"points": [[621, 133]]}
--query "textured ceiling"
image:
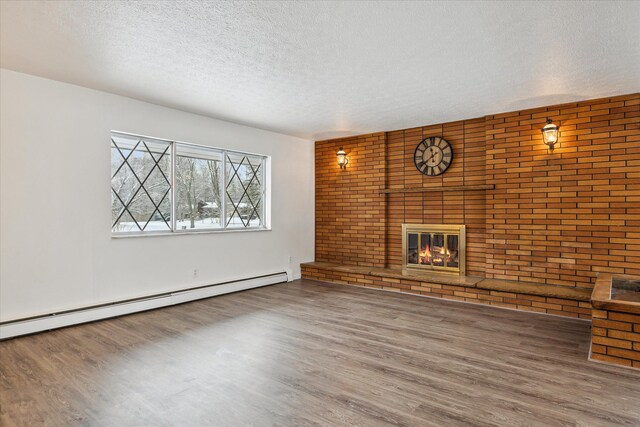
{"points": [[319, 70]]}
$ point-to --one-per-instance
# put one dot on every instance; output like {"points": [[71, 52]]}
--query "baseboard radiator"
{"points": [[47, 322]]}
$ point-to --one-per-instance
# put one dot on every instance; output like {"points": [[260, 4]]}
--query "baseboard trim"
{"points": [[51, 321]]}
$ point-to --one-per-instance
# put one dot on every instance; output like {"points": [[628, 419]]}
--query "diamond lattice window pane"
{"points": [[140, 183], [117, 159], [117, 207], [244, 191], [256, 217], [125, 184], [161, 219], [141, 208], [126, 224], [256, 165], [157, 185]]}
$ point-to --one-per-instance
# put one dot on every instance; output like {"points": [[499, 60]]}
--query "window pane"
{"points": [[204, 187], [198, 192], [244, 191], [140, 184]]}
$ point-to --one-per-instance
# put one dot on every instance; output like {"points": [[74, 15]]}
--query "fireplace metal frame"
{"points": [[446, 229]]}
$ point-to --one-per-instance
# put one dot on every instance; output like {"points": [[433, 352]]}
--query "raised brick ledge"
{"points": [[601, 296], [615, 331], [549, 291]]}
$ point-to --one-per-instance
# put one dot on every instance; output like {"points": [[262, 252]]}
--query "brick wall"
{"points": [[555, 218], [616, 337], [560, 218], [350, 210]]}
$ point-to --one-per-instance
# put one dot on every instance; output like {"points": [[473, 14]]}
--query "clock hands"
{"points": [[432, 156]]}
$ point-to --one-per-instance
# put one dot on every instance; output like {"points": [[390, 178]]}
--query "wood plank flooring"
{"points": [[306, 353]]}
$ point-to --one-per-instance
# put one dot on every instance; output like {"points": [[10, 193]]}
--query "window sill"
{"points": [[187, 232]]}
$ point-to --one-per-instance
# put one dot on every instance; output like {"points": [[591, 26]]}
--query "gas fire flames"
{"points": [[426, 258]]}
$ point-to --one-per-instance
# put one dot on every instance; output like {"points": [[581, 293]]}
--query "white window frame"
{"points": [[266, 192]]}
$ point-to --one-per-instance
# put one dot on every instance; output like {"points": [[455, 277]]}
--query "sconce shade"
{"points": [[342, 158], [550, 134]]}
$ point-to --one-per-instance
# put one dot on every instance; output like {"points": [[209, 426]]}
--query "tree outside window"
{"points": [[212, 188]]}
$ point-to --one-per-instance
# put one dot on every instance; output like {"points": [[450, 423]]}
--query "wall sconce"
{"points": [[342, 158], [550, 134]]}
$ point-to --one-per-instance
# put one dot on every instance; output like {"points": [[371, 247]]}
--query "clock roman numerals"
{"points": [[433, 156]]}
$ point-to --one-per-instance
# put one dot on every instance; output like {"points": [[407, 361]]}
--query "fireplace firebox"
{"points": [[437, 247]]}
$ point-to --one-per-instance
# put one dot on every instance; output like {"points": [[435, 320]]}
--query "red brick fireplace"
{"points": [[551, 218]]}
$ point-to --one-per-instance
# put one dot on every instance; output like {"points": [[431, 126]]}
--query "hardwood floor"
{"points": [[306, 353]]}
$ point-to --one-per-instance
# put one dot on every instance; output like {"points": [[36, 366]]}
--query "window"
{"points": [[243, 190], [165, 186], [140, 184], [198, 188]]}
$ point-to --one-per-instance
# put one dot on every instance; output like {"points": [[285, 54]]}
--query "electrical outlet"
{"points": [[196, 273], [289, 259]]}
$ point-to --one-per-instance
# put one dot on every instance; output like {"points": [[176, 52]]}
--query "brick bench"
{"points": [[550, 299], [615, 329]]}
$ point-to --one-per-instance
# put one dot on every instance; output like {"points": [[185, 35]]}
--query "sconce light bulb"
{"points": [[342, 158], [550, 134]]}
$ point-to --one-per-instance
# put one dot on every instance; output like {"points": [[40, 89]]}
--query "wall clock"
{"points": [[433, 156]]}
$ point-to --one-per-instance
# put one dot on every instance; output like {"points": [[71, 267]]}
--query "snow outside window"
{"points": [[160, 186]]}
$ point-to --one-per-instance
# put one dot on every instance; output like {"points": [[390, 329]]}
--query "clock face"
{"points": [[433, 156]]}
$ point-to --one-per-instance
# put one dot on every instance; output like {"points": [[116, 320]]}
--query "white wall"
{"points": [[56, 250]]}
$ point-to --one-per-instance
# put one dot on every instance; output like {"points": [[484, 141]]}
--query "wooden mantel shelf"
{"points": [[443, 188]]}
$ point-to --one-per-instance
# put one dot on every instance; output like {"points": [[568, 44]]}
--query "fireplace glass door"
{"points": [[437, 250]]}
